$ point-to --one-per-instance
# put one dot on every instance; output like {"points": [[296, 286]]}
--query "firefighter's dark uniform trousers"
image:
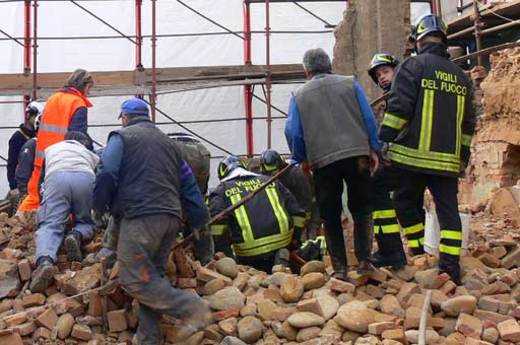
{"points": [[387, 230]]}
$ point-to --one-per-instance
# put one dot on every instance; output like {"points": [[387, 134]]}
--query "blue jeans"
{"points": [[65, 193]]}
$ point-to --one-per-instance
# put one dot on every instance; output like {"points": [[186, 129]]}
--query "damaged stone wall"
{"points": [[368, 27], [495, 159]]}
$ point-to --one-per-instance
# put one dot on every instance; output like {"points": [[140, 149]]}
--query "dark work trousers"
{"points": [[328, 182], [143, 249], [409, 200], [387, 230]]}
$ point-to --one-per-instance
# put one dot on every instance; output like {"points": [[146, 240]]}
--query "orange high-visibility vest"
{"points": [[54, 124]]}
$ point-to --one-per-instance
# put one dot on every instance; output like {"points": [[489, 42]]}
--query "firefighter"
{"points": [[295, 180], [387, 230], [260, 231], [428, 128]]}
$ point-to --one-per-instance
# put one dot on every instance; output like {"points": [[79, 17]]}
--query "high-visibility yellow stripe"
{"points": [[391, 229], [279, 211], [451, 234], [461, 102], [243, 220], [218, 229], [413, 229], [377, 229], [423, 162], [383, 214], [414, 244], [466, 140], [299, 222], [426, 121], [394, 121], [449, 250], [263, 245], [436, 156]]}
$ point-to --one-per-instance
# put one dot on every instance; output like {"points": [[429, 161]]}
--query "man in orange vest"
{"points": [[66, 110]]}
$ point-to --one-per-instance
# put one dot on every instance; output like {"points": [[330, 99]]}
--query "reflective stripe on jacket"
{"points": [[55, 121]]}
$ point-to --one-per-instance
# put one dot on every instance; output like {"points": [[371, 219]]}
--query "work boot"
{"points": [[396, 259], [450, 264], [365, 267], [417, 251], [73, 246], [43, 276]]}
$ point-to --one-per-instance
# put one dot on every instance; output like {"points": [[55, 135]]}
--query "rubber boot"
{"points": [[362, 236], [73, 246], [338, 258], [396, 259], [282, 257], [450, 264], [43, 275]]}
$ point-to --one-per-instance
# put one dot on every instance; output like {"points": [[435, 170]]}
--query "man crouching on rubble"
{"points": [[144, 181], [69, 180]]}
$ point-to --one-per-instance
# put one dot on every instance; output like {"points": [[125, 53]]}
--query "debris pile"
{"points": [[253, 307], [495, 159]]}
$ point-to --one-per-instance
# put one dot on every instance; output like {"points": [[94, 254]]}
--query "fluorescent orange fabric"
{"points": [[55, 121]]}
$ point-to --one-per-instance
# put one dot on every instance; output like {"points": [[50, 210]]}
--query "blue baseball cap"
{"points": [[135, 107]]}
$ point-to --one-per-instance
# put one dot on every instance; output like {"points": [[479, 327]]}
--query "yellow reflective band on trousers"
{"points": [[413, 229], [449, 250], [384, 214], [394, 121], [426, 121], [218, 229], [252, 246], [451, 234], [461, 103], [414, 243], [391, 229]]}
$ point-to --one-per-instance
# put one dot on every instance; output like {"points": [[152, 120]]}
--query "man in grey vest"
{"points": [[332, 127], [146, 184]]}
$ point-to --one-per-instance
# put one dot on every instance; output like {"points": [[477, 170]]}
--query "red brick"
{"points": [[94, 304], [47, 319], [15, 319], [509, 331], [226, 314], [186, 283], [341, 286], [378, 328], [469, 325], [24, 270], [81, 332], [25, 328], [33, 299], [42, 333], [11, 339], [117, 320]]}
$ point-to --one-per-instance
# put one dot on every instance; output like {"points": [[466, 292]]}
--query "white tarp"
{"points": [[62, 19]]}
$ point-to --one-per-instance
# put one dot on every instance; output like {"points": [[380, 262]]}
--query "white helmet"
{"points": [[34, 108], [37, 122]]}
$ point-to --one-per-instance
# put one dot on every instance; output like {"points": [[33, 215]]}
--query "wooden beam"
{"points": [[18, 84]]}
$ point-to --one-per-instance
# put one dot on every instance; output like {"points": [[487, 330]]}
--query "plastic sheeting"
{"points": [[61, 19]]}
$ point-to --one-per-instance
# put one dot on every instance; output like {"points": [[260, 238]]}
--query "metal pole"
{"points": [[35, 50], [476, 25], [248, 89], [154, 53], [27, 47], [138, 34], [268, 80]]}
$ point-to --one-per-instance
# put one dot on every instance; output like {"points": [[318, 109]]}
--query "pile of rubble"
{"points": [[253, 307]]}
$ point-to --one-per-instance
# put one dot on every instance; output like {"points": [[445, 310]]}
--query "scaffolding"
{"points": [[148, 83]]}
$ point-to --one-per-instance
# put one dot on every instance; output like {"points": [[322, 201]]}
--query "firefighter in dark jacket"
{"points": [[428, 126], [25, 132], [261, 231], [387, 230], [298, 184]]}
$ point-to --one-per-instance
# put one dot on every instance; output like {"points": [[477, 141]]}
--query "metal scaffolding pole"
{"points": [[27, 47], [153, 96], [476, 26], [248, 89], [138, 34], [268, 79]]}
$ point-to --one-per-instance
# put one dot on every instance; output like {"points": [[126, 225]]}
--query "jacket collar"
{"points": [[74, 91], [138, 119], [320, 76], [27, 132], [439, 49]]}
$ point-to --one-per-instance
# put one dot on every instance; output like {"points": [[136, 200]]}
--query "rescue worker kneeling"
{"points": [[69, 182], [260, 231]]}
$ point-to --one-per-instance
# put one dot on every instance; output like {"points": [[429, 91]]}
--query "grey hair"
{"points": [[317, 61]]}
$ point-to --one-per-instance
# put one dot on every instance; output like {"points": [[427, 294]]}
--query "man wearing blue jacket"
{"points": [[332, 127], [145, 183]]}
